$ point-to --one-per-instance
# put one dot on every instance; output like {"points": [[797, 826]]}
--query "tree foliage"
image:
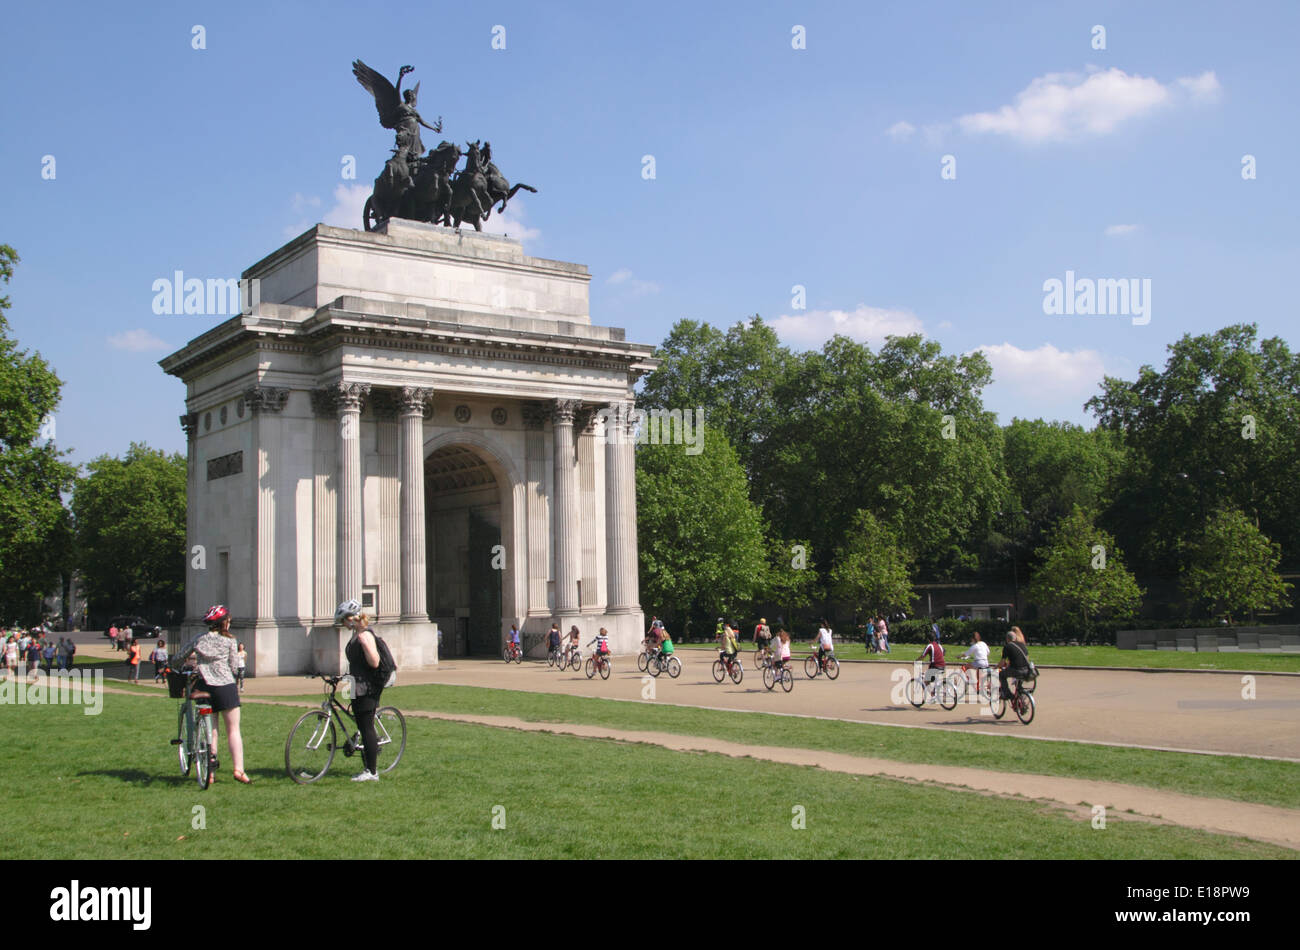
{"points": [[872, 570], [1082, 574], [130, 517], [699, 537], [35, 533], [1232, 568]]}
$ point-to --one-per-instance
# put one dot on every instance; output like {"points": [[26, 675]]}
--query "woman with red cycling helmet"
{"points": [[215, 655]]}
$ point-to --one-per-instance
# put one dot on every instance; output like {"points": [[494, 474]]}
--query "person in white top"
{"points": [[824, 644], [979, 657]]}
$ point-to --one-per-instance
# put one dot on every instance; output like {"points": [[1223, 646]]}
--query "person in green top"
{"points": [[665, 641]]}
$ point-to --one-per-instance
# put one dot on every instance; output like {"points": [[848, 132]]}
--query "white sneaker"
{"points": [[366, 777]]}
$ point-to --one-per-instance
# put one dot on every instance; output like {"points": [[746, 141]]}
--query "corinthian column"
{"points": [[413, 404], [350, 397], [564, 523], [620, 511]]}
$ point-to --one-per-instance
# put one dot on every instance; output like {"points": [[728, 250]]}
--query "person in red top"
{"points": [[934, 650]]}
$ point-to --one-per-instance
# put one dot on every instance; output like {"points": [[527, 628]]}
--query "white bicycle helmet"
{"points": [[349, 608]]}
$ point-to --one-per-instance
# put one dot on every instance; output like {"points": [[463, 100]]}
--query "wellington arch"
{"points": [[424, 420]]}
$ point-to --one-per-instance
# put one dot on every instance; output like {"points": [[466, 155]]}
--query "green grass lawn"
{"points": [[113, 783], [1067, 656], [1232, 777]]}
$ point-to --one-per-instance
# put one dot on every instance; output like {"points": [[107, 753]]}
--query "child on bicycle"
{"points": [[514, 639], [782, 657], [602, 645], [572, 646]]}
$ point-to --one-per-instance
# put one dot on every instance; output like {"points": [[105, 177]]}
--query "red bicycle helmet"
{"points": [[216, 614]]}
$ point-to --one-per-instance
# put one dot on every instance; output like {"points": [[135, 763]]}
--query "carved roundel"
{"points": [[224, 414], [499, 416], [239, 408], [207, 421], [462, 414]]}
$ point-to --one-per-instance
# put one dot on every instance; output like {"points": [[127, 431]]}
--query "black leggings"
{"points": [[364, 709]]}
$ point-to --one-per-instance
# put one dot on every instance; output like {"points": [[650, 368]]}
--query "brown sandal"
{"points": [[241, 777]]}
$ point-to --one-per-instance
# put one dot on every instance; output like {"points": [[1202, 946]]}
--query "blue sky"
{"points": [[774, 167]]}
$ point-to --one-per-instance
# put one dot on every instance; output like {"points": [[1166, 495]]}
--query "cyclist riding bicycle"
{"points": [[602, 644], [571, 647], [978, 655], [553, 639], [514, 638], [934, 650], [730, 648], [824, 644], [665, 641], [1015, 660]]}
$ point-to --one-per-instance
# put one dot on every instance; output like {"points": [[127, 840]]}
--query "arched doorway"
{"points": [[468, 510]]}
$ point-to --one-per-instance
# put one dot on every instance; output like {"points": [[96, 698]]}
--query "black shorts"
{"points": [[223, 697]]}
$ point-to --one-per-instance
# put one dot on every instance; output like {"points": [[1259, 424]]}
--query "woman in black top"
{"points": [[1015, 660], [363, 659]]}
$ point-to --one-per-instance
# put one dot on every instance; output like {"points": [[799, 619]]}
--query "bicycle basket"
{"points": [[176, 684]]}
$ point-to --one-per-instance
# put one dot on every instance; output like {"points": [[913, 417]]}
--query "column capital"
{"points": [[190, 423], [534, 415], [265, 398], [415, 400], [337, 397], [563, 411]]}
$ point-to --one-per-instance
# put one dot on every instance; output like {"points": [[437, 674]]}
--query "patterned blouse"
{"points": [[215, 657]]}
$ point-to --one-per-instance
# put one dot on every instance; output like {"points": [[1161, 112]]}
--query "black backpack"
{"points": [[383, 675]]}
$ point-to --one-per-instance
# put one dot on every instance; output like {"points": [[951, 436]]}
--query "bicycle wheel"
{"points": [[591, 667], [309, 750], [390, 727], [519, 656], [832, 667], [185, 733], [959, 686], [575, 661], [719, 671], [769, 677], [737, 671], [916, 692], [674, 667], [1024, 706], [947, 693], [202, 751], [787, 680], [642, 661], [997, 705], [606, 667], [810, 667]]}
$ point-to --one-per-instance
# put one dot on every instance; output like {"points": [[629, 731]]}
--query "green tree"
{"points": [[1233, 568], [732, 375], [35, 536], [901, 433], [699, 537], [792, 581], [872, 571], [130, 517], [1218, 427], [1082, 573]]}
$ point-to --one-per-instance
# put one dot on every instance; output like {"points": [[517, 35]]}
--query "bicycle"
{"points": [[601, 663], [937, 689], [570, 658], [648, 652], [983, 683], [761, 656], [775, 671], [556, 657], [512, 652], [313, 740], [725, 666], [814, 665], [1022, 699], [662, 662], [195, 726]]}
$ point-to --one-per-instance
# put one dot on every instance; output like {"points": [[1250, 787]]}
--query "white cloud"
{"points": [[1117, 230], [138, 341], [623, 279], [349, 203], [1044, 375], [945, 324], [900, 131], [1061, 107], [511, 223], [865, 325]]}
